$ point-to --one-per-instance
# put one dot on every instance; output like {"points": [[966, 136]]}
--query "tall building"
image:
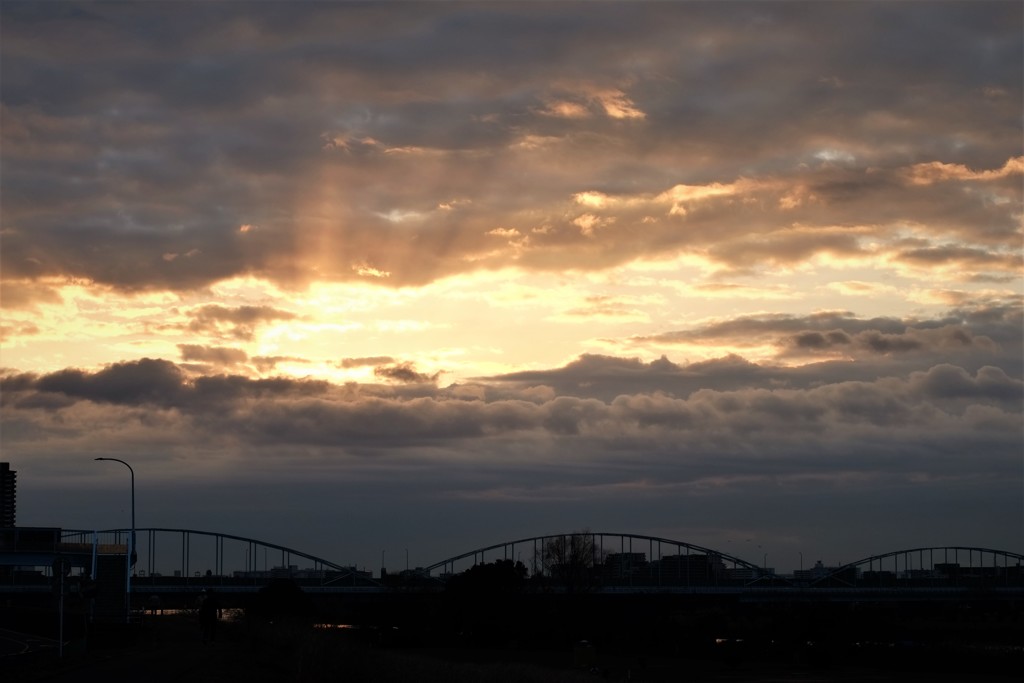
{"points": [[8, 495]]}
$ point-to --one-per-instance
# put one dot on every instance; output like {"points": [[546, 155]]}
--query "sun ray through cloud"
{"points": [[502, 265]]}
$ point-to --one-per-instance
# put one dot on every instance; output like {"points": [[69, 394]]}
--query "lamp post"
{"points": [[130, 560]]}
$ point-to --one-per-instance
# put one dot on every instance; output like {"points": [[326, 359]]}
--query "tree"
{"points": [[501, 576], [571, 560]]}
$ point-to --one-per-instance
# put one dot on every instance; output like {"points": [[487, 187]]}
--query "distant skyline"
{"points": [[434, 275]]}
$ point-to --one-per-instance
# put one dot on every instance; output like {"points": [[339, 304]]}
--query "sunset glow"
{"points": [[504, 269]]}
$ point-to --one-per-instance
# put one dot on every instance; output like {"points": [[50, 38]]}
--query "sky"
{"points": [[355, 278]]}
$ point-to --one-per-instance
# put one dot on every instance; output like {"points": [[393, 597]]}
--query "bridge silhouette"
{"points": [[184, 559], [627, 592], [174, 566]]}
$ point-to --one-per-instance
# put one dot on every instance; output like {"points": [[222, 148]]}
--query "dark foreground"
{"points": [[169, 648]]}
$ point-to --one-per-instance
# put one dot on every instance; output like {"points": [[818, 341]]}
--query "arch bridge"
{"points": [[191, 557], [939, 566], [618, 561], [615, 559], [186, 560]]}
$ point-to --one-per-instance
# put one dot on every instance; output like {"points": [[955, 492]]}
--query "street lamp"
{"points": [[131, 546]]}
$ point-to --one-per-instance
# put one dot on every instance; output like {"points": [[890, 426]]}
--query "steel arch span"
{"points": [[624, 557], [221, 555], [947, 564]]}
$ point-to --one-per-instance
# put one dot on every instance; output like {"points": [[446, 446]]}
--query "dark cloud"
{"points": [[225, 393], [955, 337], [214, 355], [948, 381], [965, 257], [404, 372], [881, 343], [818, 340], [159, 383], [148, 381], [848, 348], [755, 329], [137, 141], [845, 332], [238, 323], [758, 420], [603, 429]]}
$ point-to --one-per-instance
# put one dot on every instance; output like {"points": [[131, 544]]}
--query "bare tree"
{"points": [[572, 560]]}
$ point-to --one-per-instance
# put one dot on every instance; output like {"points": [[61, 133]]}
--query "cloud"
{"points": [[829, 328], [237, 323], [269, 363], [565, 109], [587, 100], [962, 258], [937, 172], [367, 361], [756, 328], [652, 107], [936, 340], [215, 355], [595, 429], [252, 185], [18, 330], [147, 381], [788, 247], [752, 421], [405, 373], [681, 196], [605, 308], [26, 294]]}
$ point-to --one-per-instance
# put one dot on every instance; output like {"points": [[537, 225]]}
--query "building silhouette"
{"points": [[623, 565], [8, 494]]}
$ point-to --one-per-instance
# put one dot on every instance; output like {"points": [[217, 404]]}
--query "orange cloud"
{"points": [[937, 171]]}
